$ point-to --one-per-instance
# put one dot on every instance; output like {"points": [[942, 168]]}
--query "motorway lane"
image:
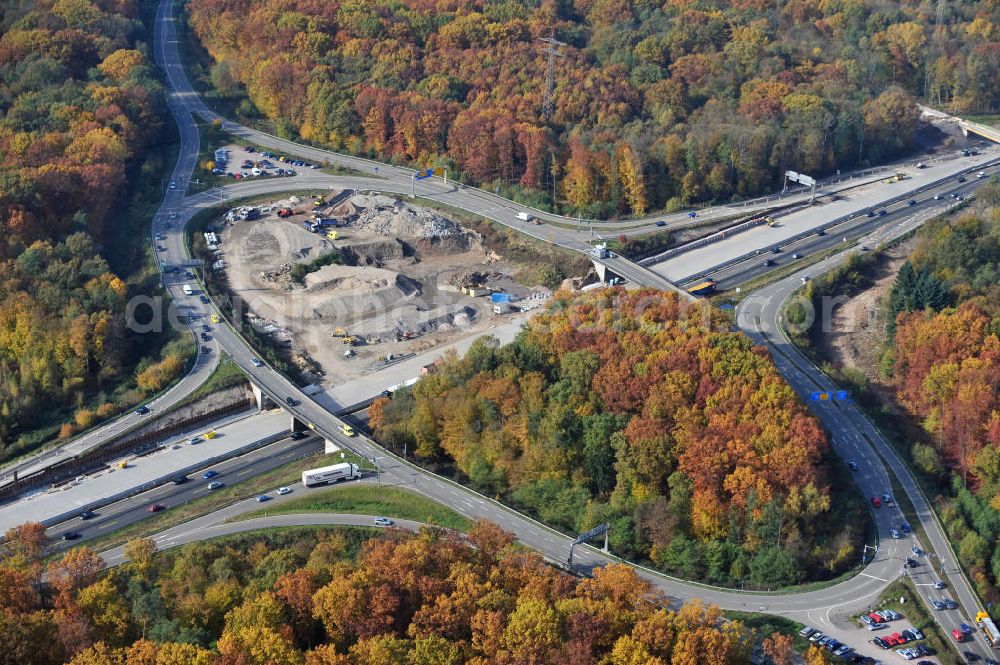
{"points": [[122, 513], [854, 437], [733, 275]]}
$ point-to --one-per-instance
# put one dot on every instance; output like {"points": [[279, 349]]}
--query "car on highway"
{"points": [[173, 185], [71, 535], [284, 490], [291, 401], [981, 174], [88, 515], [661, 223], [775, 250], [877, 502], [937, 197], [142, 410], [208, 475], [887, 500], [161, 248], [971, 657], [383, 521], [387, 394], [821, 232], [938, 584], [179, 480], [881, 213], [961, 178], [262, 498], [853, 466], [256, 362], [768, 262], [193, 440], [895, 534], [965, 628], [347, 430], [911, 202], [215, 485], [949, 603], [796, 256], [870, 213], [155, 507], [958, 635], [938, 604]]}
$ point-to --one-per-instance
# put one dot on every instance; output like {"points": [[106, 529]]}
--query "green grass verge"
{"points": [[265, 482], [914, 611], [365, 499], [227, 373]]}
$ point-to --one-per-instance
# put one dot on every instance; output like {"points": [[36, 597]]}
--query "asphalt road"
{"points": [[740, 272], [136, 508], [855, 438]]}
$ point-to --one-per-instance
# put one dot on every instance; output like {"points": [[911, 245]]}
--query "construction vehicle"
{"points": [[332, 235], [770, 221], [123, 464], [210, 434], [350, 339], [285, 212], [340, 332]]}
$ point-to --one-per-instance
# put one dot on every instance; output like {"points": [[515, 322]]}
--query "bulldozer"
{"points": [[350, 339], [340, 332]]}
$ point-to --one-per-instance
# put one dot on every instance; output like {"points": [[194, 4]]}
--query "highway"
{"points": [[121, 514], [731, 275], [853, 437]]}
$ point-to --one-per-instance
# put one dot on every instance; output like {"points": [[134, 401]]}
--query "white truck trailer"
{"points": [[331, 474]]}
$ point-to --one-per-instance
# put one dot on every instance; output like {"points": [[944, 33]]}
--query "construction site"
{"points": [[350, 282]]}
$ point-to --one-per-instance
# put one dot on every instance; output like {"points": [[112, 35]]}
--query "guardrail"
{"points": [[139, 489], [836, 221]]}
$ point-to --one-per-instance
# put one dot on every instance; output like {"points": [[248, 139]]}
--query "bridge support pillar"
{"points": [[330, 446], [602, 271], [262, 400], [297, 426]]}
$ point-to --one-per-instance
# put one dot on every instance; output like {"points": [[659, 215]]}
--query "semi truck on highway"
{"points": [[703, 289], [331, 474], [989, 629]]}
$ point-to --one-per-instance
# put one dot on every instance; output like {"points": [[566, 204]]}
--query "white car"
{"points": [[284, 490], [173, 185], [383, 521], [256, 362], [895, 534], [981, 174]]}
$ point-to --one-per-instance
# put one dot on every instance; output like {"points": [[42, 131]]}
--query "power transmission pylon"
{"points": [[550, 74]]}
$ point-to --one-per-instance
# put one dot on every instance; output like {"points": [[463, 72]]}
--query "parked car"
{"points": [[807, 631], [895, 534], [905, 528], [204, 299], [912, 563], [917, 551]]}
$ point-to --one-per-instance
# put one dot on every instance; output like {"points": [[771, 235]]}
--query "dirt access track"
{"points": [[392, 281]]}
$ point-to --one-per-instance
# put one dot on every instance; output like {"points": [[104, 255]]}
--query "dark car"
{"points": [[387, 393], [179, 480], [870, 213], [291, 401], [768, 262], [204, 299], [205, 349], [204, 337], [912, 563], [208, 475], [142, 410], [821, 232], [775, 250], [970, 656], [961, 178], [87, 515], [156, 507], [205, 327], [911, 202], [661, 223], [71, 535], [881, 213]]}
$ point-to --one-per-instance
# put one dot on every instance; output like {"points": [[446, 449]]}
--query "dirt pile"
{"points": [[425, 229]]}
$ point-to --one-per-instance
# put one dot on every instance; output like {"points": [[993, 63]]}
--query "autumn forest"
{"points": [[655, 104]]}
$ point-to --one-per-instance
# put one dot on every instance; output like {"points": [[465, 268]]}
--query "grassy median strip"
{"points": [[366, 499], [228, 495]]}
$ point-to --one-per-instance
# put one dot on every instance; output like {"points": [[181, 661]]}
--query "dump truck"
{"points": [[285, 212]]}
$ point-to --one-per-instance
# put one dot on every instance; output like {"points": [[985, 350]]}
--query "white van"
{"points": [[524, 217], [187, 290]]}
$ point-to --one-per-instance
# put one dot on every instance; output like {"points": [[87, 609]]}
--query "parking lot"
{"points": [[888, 631], [240, 163]]}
